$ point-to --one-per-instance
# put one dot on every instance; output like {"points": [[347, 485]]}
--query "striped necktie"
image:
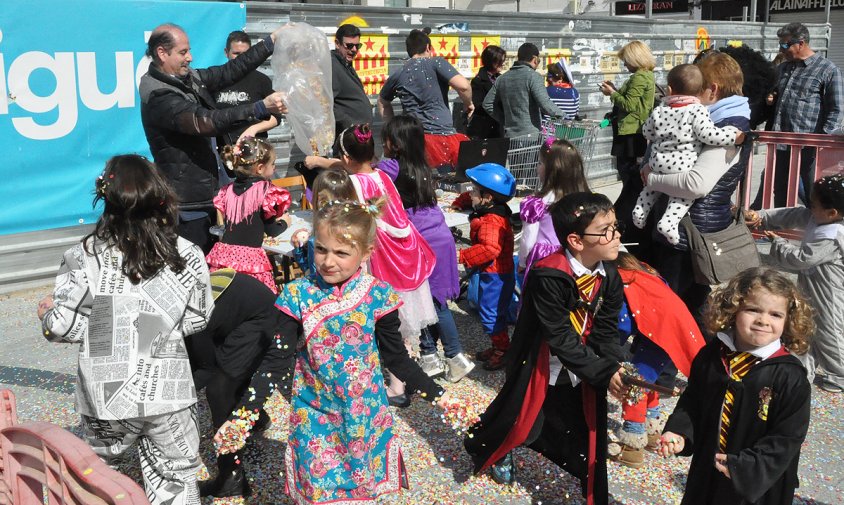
{"points": [[586, 288], [739, 364]]}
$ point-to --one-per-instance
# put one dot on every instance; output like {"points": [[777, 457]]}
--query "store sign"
{"points": [[803, 5], [659, 7]]}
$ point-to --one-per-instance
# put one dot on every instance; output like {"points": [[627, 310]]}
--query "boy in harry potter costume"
{"points": [[564, 355]]}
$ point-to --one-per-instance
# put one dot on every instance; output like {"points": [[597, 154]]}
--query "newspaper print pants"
{"points": [[168, 446]]}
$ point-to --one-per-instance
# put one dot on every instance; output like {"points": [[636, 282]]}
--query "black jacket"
{"points": [[482, 125], [762, 454], [180, 119], [351, 105], [544, 326]]}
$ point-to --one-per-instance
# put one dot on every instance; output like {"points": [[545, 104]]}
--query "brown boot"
{"points": [[634, 458]]}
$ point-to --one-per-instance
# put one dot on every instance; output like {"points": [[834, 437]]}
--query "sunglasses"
{"points": [[785, 45], [351, 46]]}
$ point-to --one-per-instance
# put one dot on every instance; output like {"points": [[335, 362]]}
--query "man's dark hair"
{"points": [[348, 31], [492, 56], [163, 37], [574, 213], [417, 42], [527, 51], [237, 36], [797, 31]]}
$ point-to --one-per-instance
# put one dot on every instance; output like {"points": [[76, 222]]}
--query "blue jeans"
{"points": [[445, 330]]}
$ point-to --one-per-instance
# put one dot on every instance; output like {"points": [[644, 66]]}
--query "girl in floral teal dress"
{"points": [[342, 448]]}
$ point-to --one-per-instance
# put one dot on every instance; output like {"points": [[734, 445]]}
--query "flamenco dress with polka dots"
{"points": [[250, 207]]}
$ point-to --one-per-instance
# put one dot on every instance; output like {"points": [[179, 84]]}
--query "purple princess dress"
{"points": [[538, 237]]}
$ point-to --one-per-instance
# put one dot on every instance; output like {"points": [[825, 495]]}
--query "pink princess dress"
{"points": [[538, 237], [250, 207], [401, 256]]}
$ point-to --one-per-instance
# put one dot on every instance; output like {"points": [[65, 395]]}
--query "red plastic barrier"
{"points": [[829, 160], [40, 463]]}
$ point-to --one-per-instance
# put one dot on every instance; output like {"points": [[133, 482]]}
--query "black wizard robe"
{"points": [[565, 423], [770, 417]]}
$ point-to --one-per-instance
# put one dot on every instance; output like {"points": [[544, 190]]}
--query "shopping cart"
{"points": [[523, 155]]}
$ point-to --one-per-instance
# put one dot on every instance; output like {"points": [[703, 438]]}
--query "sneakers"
{"points": [[431, 365], [496, 361], [485, 355], [458, 367], [401, 401], [504, 472], [231, 479], [829, 386]]}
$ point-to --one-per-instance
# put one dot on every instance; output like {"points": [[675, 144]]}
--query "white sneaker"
{"points": [[431, 365], [458, 367]]}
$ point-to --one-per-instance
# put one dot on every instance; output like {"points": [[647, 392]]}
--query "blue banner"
{"points": [[69, 97]]}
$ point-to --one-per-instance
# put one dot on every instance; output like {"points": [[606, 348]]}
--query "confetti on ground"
{"points": [[43, 378]]}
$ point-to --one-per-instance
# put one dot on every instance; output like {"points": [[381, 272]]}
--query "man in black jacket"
{"points": [[351, 105], [181, 120]]}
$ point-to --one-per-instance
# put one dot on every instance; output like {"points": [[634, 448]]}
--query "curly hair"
{"points": [[726, 301], [139, 217]]}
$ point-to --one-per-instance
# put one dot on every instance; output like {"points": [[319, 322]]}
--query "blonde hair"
{"points": [[721, 69], [638, 55], [726, 301], [351, 222], [332, 184], [253, 152]]}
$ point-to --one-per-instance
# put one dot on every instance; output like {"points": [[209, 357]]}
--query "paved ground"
{"points": [[42, 375]]}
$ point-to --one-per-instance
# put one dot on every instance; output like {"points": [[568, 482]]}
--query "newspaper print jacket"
{"points": [[132, 356]]}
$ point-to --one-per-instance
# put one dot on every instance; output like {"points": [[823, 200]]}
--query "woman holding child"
{"points": [[711, 182]]}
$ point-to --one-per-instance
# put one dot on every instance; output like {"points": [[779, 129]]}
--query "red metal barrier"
{"points": [[40, 463], [829, 160]]}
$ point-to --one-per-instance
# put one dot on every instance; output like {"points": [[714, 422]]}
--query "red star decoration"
{"points": [[369, 44], [443, 43]]}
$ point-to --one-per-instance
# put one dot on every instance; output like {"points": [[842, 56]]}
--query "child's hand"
{"points": [[617, 386], [721, 464], [300, 237], [313, 162], [229, 438], [740, 136], [771, 235], [671, 444], [645, 172], [44, 305], [284, 217], [444, 401], [752, 218]]}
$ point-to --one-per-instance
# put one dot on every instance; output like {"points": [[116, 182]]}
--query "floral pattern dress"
{"points": [[341, 447]]}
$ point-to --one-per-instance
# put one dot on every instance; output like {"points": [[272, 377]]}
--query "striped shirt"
{"points": [[567, 99], [810, 96]]}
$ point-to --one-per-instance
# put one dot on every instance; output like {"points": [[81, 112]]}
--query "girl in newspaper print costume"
{"points": [[129, 293]]}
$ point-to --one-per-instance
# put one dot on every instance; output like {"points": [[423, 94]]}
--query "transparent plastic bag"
{"points": [[302, 68]]}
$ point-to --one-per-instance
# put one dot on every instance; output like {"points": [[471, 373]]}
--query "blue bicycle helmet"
{"points": [[495, 178]]}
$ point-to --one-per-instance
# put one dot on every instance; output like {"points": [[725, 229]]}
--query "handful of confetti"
{"points": [[233, 434], [462, 413], [635, 394]]}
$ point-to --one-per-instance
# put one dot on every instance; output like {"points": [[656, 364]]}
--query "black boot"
{"points": [[231, 479]]}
